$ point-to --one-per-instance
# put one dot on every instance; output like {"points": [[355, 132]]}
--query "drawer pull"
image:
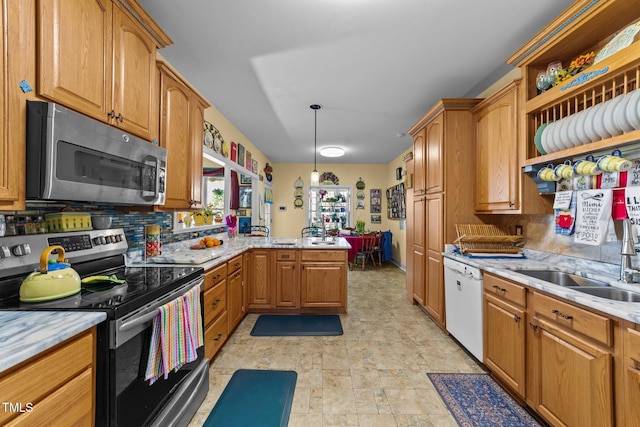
{"points": [[217, 276], [285, 257], [218, 337], [216, 302], [564, 316], [516, 318], [499, 289], [237, 264], [533, 327]]}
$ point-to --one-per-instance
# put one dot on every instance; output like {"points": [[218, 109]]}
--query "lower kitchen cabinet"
{"points": [[574, 361], [58, 385], [631, 368], [215, 310], [287, 278], [259, 279], [323, 279], [235, 292], [505, 331]]}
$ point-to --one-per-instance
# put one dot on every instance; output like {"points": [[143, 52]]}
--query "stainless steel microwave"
{"points": [[74, 157]]}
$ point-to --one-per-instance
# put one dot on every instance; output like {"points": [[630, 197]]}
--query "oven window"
{"points": [[137, 402], [81, 164]]}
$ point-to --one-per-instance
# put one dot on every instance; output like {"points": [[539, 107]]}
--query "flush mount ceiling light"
{"points": [[332, 152], [315, 176]]}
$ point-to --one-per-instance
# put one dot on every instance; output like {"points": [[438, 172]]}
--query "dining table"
{"points": [[356, 242]]}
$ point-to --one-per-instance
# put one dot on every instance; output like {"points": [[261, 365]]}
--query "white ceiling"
{"points": [[376, 66]]}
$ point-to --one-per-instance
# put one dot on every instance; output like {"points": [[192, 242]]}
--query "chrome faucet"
{"points": [[628, 250]]}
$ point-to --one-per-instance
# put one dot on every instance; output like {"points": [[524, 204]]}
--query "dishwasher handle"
{"points": [[464, 270]]}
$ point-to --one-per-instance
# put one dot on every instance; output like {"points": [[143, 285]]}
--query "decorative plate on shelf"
{"points": [[208, 138], [298, 193], [360, 195], [225, 149], [298, 203], [329, 176], [623, 39]]}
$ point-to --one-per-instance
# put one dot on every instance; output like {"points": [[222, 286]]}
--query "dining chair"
{"points": [[258, 230], [366, 251], [310, 231], [379, 247]]}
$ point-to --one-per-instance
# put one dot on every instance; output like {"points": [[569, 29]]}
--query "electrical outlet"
{"points": [[519, 230]]}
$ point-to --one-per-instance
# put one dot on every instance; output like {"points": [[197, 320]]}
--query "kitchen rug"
{"points": [[274, 325], [257, 398], [477, 400]]}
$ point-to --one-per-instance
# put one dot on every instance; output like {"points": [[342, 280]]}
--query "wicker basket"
{"points": [[486, 238]]}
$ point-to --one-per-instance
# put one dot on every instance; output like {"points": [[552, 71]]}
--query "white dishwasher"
{"points": [[463, 302]]}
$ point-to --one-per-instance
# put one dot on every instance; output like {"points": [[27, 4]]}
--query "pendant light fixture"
{"points": [[315, 176]]}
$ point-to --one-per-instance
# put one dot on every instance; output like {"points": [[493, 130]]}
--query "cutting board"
{"points": [[186, 256]]}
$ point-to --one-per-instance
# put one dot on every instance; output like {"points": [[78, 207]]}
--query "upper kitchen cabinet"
{"points": [[18, 32], [499, 185], [99, 57], [587, 26], [181, 130]]}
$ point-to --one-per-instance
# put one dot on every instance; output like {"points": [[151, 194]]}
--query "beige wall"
{"points": [[289, 222]]}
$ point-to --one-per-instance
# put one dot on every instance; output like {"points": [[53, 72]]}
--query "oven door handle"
{"points": [[150, 311]]}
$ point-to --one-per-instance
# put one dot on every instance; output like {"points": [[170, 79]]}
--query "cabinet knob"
{"points": [[120, 118], [511, 204], [111, 114]]}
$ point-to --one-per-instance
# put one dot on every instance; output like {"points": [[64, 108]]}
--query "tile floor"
{"points": [[373, 375]]}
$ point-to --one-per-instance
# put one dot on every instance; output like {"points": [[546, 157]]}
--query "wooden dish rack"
{"points": [[486, 238]]}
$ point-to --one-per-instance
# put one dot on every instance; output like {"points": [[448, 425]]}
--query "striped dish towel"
{"points": [[177, 334], [193, 322]]}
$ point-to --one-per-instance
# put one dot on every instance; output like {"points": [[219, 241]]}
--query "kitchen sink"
{"points": [[610, 292], [319, 242], [585, 285], [562, 278]]}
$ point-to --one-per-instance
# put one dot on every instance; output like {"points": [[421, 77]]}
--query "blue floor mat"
{"points": [[273, 325], [255, 398]]}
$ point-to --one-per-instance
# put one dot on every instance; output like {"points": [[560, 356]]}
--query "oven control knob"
{"points": [[21, 250], [118, 238], [110, 239], [96, 241], [5, 252], [103, 241]]}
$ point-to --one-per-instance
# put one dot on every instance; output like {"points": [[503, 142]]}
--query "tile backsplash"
{"points": [[539, 233], [132, 222]]}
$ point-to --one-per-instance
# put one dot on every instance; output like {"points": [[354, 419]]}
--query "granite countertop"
{"points": [[27, 333], [178, 254], [582, 267]]}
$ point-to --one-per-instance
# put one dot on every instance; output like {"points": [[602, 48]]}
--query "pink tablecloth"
{"points": [[356, 245]]}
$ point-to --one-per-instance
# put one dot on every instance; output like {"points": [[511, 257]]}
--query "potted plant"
{"points": [[208, 214], [360, 226]]}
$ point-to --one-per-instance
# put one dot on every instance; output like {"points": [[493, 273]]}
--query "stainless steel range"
{"points": [[123, 397]]}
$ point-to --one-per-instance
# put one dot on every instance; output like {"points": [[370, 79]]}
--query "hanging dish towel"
{"points": [[594, 225], [632, 200], [193, 321], [565, 212]]}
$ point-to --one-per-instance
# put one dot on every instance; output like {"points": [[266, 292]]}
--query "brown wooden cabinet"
{"points": [[500, 186], [418, 249], [574, 361], [505, 323], [298, 280], [442, 196], [323, 280], [434, 275], [59, 385], [181, 124], [260, 281], [631, 366], [109, 73], [18, 36], [235, 292], [216, 328], [287, 276]]}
